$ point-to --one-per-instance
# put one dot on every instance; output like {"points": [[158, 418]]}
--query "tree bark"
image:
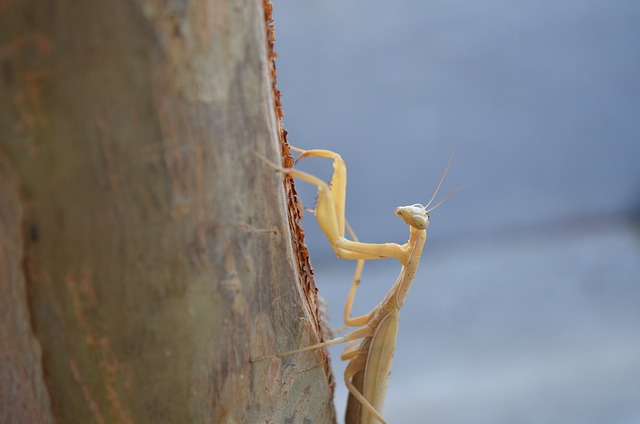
{"points": [[150, 263]]}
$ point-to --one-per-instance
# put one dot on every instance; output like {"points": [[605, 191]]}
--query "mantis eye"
{"points": [[420, 222]]}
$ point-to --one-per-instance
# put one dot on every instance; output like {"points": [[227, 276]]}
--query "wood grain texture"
{"points": [[160, 258]]}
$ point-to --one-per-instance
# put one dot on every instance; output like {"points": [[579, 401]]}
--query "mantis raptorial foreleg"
{"points": [[378, 329], [330, 212]]}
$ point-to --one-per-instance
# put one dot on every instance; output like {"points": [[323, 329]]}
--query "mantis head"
{"points": [[414, 215]]}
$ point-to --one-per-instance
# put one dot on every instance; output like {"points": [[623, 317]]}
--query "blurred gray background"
{"points": [[526, 307]]}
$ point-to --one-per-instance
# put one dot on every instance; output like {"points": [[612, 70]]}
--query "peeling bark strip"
{"points": [[159, 250], [294, 207]]}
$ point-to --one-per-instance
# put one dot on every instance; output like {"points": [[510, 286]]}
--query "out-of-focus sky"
{"points": [[527, 304]]}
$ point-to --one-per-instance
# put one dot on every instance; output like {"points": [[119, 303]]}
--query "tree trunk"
{"points": [[150, 263]]}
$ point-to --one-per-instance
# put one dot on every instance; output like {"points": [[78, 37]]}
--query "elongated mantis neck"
{"points": [[417, 238]]}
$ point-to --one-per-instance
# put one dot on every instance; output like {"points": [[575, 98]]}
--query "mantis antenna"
{"points": [[440, 185]]}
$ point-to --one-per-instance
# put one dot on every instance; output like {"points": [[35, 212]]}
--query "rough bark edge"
{"points": [[294, 207], [23, 392]]}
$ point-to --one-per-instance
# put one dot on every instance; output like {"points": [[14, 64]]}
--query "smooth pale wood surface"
{"points": [[160, 256]]}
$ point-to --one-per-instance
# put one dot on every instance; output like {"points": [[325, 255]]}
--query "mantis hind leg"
{"points": [[360, 333], [355, 369]]}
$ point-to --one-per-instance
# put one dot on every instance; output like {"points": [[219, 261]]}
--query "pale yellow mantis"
{"points": [[373, 356]]}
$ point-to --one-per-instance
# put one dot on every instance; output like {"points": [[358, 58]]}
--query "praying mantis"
{"points": [[378, 329]]}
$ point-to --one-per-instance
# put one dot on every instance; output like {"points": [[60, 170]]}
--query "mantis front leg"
{"points": [[330, 212]]}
